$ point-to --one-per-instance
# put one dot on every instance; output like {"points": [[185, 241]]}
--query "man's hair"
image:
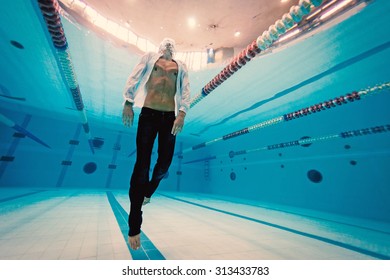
{"points": [[167, 44]]}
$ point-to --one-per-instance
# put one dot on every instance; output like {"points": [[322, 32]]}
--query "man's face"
{"points": [[167, 44]]}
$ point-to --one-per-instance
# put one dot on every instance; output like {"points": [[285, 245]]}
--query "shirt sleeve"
{"points": [[135, 78], [185, 91]]}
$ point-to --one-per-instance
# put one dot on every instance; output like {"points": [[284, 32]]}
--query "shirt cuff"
{"points": [[128, 99]]}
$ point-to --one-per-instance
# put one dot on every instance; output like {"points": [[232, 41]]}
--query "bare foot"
{"points": [[146, 200], [135, 241]]}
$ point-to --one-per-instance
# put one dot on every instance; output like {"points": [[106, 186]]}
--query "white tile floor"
{"points": [[60, 225], [80, 224]]}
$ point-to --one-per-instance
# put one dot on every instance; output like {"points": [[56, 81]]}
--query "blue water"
{"points": [[332, 194]]}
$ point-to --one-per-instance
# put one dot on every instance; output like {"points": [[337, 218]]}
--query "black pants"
{"points": [[150, 124]]}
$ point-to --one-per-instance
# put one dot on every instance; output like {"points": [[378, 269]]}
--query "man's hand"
{"points": [[135, 241], [128, 114], [179, 123]]}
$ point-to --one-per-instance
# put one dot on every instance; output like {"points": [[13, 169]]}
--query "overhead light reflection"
{"points": [[91, 13], [289, 35], [335, 9]]}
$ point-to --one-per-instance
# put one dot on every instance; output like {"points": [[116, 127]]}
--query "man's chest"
{"points": [[165, 66]]}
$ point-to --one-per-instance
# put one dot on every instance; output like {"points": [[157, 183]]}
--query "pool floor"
{"points": [[74, 224]]}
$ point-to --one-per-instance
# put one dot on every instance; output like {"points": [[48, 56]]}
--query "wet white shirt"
{"points": [[135, 91]]}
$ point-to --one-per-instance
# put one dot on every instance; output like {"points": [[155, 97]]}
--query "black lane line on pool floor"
{"points": [[148, 250]]}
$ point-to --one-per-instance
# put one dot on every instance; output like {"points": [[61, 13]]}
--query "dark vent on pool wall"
{"points": [[90, 167], [17, 45], [97, 142], [315, 176], [233, 176]]}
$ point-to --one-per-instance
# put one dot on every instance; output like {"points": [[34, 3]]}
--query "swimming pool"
{"points": [[257, 170]]}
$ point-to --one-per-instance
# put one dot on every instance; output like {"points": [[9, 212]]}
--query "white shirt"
{"points": [[135, 91]]}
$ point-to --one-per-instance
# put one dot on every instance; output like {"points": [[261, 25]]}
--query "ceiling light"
{"points": [[191, 22]]}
